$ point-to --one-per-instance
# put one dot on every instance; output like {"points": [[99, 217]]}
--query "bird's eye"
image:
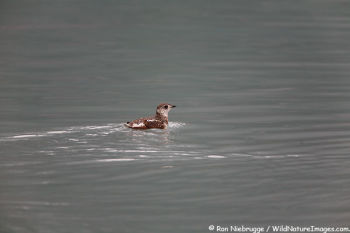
{"points": [[166, 106]]}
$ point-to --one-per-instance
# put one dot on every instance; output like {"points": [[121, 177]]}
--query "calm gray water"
{"points": [[260, 135]]}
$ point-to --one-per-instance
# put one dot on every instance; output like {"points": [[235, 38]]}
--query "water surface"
{"points": [[260, 135]]}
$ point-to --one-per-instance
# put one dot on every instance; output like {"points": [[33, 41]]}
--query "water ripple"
{"points": [[114, 142]]}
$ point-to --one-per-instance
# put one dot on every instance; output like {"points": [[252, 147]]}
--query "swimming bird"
{"points": [[159, 121]]}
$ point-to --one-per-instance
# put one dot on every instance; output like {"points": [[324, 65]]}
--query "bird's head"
{"points": [[164, 108]]}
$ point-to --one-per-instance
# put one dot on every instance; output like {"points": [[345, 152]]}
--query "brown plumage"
{"points": [[159, 121]]}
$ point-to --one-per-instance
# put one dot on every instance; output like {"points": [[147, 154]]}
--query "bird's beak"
{"points": [[173, 106]]}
